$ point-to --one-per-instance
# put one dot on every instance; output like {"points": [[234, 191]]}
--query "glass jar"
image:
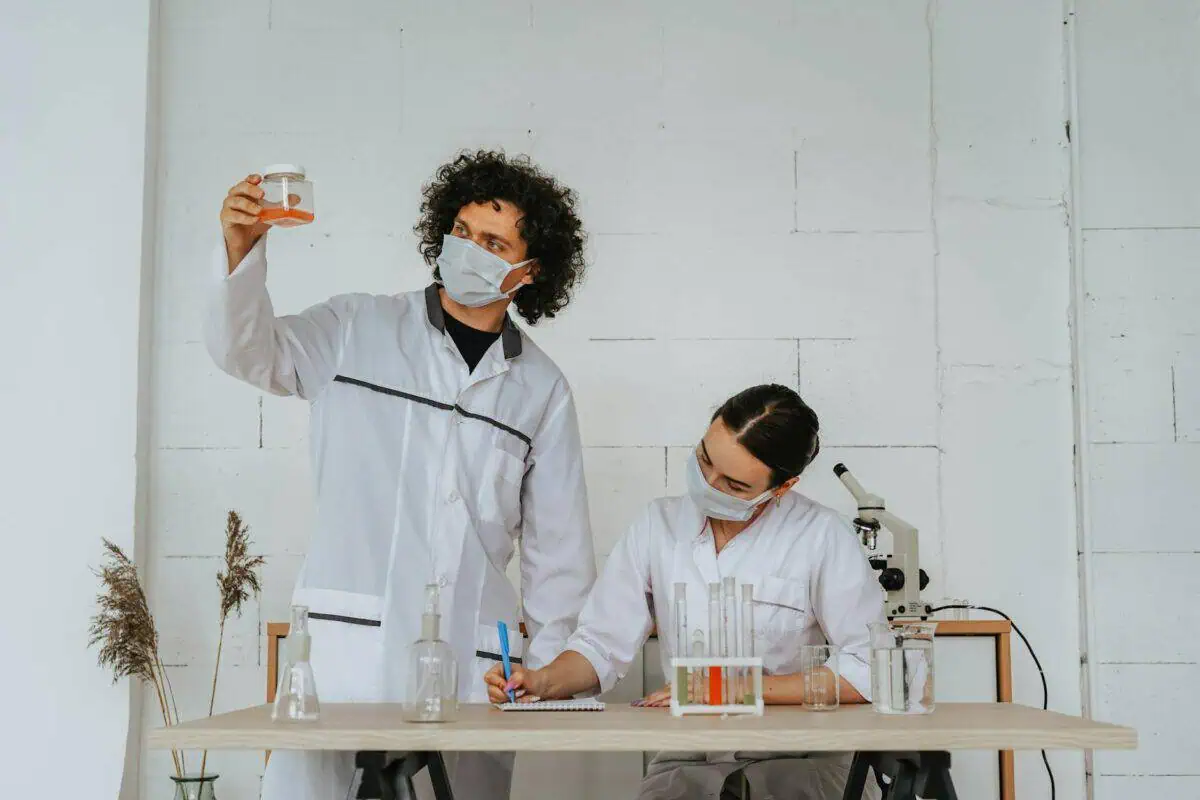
{"points": [[902, 667], [287, 196]]}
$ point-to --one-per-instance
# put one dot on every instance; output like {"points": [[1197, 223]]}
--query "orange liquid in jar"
{"points": [[285, 217]]}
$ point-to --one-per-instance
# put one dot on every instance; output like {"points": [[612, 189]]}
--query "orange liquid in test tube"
{"points": [[714, 686], [286, 217]]}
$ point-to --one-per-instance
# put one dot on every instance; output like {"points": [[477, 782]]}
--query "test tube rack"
{"points": [[682, 705]]}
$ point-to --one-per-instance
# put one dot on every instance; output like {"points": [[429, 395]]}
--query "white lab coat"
{"points": [[812, 585], [424, 472]]}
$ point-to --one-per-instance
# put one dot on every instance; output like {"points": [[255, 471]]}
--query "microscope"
{"points": [[900, 573]]}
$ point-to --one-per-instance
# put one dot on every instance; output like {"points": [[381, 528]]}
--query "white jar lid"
{"points": [[291, 169]]}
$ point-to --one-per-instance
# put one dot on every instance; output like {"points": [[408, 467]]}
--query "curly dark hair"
{"points": [[549, 225]]}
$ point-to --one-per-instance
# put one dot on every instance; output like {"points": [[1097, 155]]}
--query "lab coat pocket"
{"points": [[781, 610], [488, 655], [500, 492]]}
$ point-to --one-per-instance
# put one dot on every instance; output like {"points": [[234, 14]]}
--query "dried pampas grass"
{"points": [[124, 629], [237, 583]]}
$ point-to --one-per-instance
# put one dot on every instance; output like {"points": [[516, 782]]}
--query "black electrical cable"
{"points": [[1041, 672]]}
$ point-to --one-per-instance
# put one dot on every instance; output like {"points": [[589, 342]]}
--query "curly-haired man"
{"points": [[440, 436]]}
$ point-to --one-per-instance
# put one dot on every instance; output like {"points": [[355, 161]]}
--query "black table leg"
{"points": [[438, 775], [912, 775], [372, 785], [393, 780], [935, 775], [904, 782], [856, 781]]}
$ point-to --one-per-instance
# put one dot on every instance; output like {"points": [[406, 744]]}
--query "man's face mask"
{"points": [[471, 275]]}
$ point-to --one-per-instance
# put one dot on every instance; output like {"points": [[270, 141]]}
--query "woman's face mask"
{"points": [[471, 275], [715, 503]]}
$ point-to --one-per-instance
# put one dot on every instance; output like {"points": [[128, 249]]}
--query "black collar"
{"points": [[510, 334]]}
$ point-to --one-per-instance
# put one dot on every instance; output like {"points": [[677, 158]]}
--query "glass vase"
{"points": [[193, 787]]}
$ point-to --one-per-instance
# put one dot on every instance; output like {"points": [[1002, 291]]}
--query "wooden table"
{"points": [[374, 729], [999, 630]]}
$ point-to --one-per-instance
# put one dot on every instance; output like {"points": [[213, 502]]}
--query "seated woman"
{"points": [[812, 585]]}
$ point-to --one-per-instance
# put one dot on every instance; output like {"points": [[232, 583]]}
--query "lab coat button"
{"points": [[443, 581], [452, 497]]}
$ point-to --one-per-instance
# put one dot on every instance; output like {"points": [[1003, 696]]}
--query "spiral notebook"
{"points": [[577, 704]]}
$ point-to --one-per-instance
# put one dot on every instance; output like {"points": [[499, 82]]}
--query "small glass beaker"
{"points": [[902, 667], [953, 608], [818, 665], [287, 196], [296, 696]]}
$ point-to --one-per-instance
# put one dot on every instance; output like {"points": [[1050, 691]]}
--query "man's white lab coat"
{"points": [[812, 585], [425, 472]]}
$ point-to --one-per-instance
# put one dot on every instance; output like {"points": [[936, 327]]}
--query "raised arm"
{"points": [[289, 355]]}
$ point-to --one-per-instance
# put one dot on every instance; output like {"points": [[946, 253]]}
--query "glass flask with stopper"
{"points": [[432, 670], [296, 694]]}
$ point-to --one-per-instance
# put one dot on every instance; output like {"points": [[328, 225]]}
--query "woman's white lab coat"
{"points": [[812, 585], [425, 472]]}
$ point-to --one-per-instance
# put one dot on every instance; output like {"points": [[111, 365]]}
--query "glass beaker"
{"points": [[902, 667], [432, 670], [287, 196], [822, 683], [296, 695]]}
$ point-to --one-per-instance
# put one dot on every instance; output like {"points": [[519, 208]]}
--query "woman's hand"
{"points": [[659, 699], [524, 683]]}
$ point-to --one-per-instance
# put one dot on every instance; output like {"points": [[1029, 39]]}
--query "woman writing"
{"points": [[812, 585]]}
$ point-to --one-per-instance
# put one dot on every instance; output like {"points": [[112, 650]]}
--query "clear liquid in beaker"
{"points": [[902, 678]]}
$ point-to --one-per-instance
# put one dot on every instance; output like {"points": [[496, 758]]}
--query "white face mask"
{"points": [[715, 503], [471, 275]]}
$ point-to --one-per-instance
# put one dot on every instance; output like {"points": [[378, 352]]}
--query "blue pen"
{"points": [[503, 629]]}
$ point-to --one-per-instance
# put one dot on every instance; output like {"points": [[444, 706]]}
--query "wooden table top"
{"points": [[378, 726]]}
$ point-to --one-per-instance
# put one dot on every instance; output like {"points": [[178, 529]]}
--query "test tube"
{"points": [[714, 643], [730, 639], [748, 639], [697, 693], [681, 640]]}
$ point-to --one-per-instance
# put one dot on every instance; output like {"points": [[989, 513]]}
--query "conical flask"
{"points": [[296, 694], [432, 670]]}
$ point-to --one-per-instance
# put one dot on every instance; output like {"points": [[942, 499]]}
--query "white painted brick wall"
{"points": [[1159, 590], [623, 480], [1159, 700], [1142, 496], [862, 200], [1138, 114], [667, 388], [770, 286], [195, 488], [1139, 120]]}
